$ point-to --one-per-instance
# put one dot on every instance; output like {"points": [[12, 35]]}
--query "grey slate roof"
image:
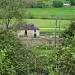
{"points": [[31, 27], [28, 27]]}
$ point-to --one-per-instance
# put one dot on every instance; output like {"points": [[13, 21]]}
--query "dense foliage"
{"points": [[13, 52], [18, 59], [10, 9], [71, 30], [38, 3], [15, 59], [57, 4], [46, 3], [6, 51], [72, 2]]}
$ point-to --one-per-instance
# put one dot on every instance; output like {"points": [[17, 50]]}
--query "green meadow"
{"points": [[49, 23], [69, 10], [44, 23]]}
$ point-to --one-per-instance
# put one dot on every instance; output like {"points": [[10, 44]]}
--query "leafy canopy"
{"points": [[11, 9]]}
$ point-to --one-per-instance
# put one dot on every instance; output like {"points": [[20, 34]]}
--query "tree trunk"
{"points": [[7, 24]]}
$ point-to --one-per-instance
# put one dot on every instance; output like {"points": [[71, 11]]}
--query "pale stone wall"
{"points": [[30, 33], [37, 32], [20, 33]]}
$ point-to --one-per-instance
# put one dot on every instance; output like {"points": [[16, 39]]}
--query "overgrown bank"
{"points": [[17, 59]]}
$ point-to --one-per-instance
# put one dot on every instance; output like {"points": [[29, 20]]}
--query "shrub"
{"points": [[57, 4], [70, 31], [30, 15], [45, 15], [72, 2]]}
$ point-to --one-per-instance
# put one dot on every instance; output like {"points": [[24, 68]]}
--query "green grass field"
{"points": [[46, 23], [70, 10], [43, 23]]}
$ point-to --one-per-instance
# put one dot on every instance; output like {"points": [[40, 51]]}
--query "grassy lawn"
{"points": [[74, 9], [50, 31], [52, 11], [44, 23]]}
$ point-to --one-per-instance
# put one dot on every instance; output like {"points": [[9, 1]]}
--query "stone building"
{"points": [[30, 31]]}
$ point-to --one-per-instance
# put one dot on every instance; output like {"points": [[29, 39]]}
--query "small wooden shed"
{"points": [[30, 31]]}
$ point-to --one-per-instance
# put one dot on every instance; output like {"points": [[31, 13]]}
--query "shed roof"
{"points": [[31, 27]]}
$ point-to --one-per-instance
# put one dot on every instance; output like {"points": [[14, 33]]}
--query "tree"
{"points": [[39, 4], [70, 31], [6, 51], [10, 9], [6, 67], [72, 2], [72, 26], [14, 57], [62, 61], [57, 4]]}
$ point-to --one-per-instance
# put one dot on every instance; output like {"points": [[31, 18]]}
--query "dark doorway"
{"points": [[25, 32], [34, 33]]}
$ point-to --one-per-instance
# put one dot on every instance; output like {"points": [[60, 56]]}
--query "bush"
{"points": [[57, 4], [45, 16], [30, 15], [70, 31], [14, 58], [72, 2], [42, 4], [7, 40]]}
